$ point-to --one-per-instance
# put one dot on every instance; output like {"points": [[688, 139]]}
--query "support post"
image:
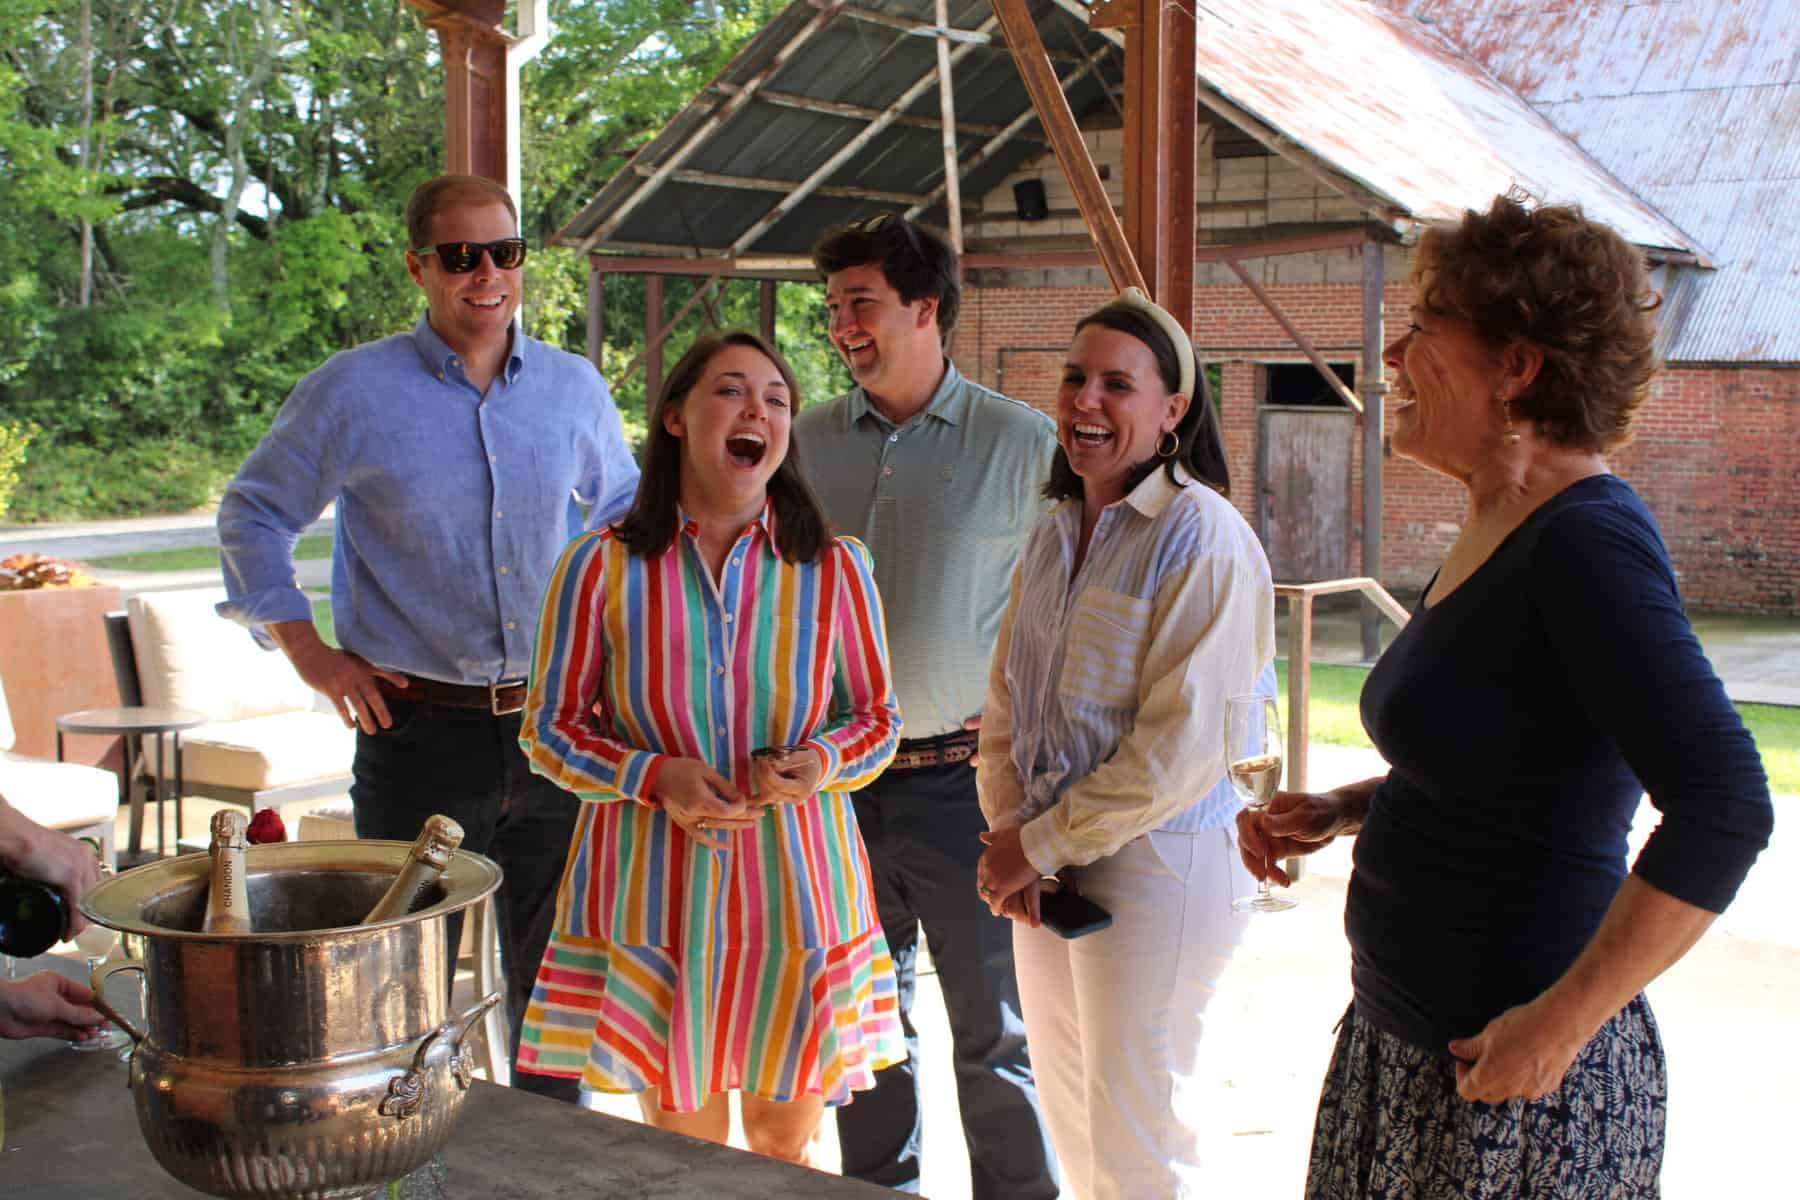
{"points": [[653, 338], [475, 99], [766, 311], [1373, 386], [596, 317], [1065, 138], [1159, 148], [947, 109]]}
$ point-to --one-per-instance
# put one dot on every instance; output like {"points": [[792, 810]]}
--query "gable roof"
{"points": [[1694, 104]]}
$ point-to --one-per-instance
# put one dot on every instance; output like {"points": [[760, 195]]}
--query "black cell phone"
{"points": [[1070, 914]]}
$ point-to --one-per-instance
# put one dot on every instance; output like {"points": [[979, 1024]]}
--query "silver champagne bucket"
{"points": [[314, 1058]]}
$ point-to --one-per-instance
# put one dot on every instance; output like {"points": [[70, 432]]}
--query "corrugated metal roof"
{"points": [[823, 53], [1402, 113], [1695, 105]]}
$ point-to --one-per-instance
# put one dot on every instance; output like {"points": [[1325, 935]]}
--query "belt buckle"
{"points": [[495, 706]]}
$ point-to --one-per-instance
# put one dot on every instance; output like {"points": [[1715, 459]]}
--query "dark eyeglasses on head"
{"points": [[880, 221], [459, 258]]}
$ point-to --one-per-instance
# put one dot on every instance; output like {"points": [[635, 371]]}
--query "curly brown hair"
{"points": [[1545, 274]]}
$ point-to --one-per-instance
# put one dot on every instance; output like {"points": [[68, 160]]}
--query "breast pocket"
{"points": [[792, 681], [1107, 637]]}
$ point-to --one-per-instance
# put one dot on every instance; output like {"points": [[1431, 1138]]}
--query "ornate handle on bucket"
{"points": [[98, 982], [407, 1091]]}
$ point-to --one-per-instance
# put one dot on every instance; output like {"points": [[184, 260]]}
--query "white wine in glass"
{"points": [[95, 943], [1253, 763]]}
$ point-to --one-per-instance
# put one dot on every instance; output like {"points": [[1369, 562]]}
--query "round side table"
{"points": [[134, 723]]}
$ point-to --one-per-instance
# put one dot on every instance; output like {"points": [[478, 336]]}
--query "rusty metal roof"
{"points": [[1695, 105], [1675, 122], [1417, 127]]}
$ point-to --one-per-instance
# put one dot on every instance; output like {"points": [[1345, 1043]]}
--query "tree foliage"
{"points": [[246, 163]]}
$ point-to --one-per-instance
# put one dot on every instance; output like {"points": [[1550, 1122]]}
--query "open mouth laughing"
{"points": [[746, 450], [1090, 435]]}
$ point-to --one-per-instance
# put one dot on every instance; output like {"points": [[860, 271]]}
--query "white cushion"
{"points": [[7, 736], [190, 657], [58, 795], [264, 752]]}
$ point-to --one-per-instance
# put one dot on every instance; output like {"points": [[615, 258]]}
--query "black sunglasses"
{"points": [[880, 221], [459, 258]]}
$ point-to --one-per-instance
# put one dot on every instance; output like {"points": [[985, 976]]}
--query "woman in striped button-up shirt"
{"points": [[1139, 604], [715, 930]]}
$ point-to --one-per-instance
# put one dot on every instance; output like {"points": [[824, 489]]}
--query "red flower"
{"points": [[266, 826]]}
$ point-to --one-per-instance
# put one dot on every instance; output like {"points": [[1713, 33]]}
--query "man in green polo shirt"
{"points": [[942, 479]]}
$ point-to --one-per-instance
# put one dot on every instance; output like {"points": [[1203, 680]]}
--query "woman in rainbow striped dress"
{"points": [[715, 930]]}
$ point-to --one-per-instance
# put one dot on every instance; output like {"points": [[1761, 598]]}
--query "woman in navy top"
{"points": [[1499, 1044]]}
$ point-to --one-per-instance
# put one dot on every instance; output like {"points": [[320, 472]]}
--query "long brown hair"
{"points": [[650, 526]]}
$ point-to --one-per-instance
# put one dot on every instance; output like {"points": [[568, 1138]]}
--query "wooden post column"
{"points": [[654, 332], [474, 46], [1160, 102]]}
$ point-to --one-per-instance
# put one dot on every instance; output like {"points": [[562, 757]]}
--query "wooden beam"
{"points": [[853, 112], [596, 318], [658, 330], [712, 124], [908, 25], [849, 149], [654, 333], [475, 100], [1300, 339], [1012, 129], [1159, 147], [1278, 142], [713, 262], [1065, 138], [752, 184], [947, 110]]}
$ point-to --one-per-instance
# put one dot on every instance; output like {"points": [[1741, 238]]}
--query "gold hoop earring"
{"points": [[1510, 435], [1174, 444]]}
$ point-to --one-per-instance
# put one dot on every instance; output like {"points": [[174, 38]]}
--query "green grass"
{"points": [[1332, 716], [193, 558], [322, 617], [1334, 719]]}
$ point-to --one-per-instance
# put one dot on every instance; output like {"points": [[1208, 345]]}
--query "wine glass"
{"points": [[95, 943], [1253, 762]]}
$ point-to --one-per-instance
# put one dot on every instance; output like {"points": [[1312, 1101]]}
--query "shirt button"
{"points": [[504, 568], [498, 514], [440, 376], [893, 437], [728, 618], [887, 470], [512, 624], [718, 670], [736, 561], [493, 458]]}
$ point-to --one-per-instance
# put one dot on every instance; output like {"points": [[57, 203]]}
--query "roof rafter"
{"points": [[811, 183], [752, 184], [712, 124]]}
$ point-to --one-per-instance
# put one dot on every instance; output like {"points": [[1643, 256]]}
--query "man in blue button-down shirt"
{"points": [[456, 455]]}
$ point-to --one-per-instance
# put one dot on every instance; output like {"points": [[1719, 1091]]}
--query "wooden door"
{"points": [[1303, 484]]}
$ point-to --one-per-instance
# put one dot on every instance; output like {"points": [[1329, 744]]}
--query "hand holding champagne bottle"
{"points": [[228, 899], [425, 864]]}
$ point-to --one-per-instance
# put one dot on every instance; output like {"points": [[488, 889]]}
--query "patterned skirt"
{"points": [[1392, 1127]]}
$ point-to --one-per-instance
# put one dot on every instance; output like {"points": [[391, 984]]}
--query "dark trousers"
{"points": [[922, 830], [467, 764]]}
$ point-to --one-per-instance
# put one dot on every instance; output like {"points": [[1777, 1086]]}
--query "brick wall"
{"points": [[1717, 455]]}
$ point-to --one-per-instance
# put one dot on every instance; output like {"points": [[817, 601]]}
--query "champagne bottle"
{"points": [[428, 859], [228, 900], [33, 916]]}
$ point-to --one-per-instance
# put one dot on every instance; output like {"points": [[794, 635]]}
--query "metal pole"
{"points": [[1373, 387]]}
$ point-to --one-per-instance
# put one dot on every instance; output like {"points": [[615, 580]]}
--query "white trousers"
{"points": [[1114, 1018]]}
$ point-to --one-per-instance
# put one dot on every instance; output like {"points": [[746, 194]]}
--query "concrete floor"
{"points": [[1728, 1011]]}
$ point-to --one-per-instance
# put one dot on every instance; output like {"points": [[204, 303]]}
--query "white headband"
{"points": [[1184, 345]]}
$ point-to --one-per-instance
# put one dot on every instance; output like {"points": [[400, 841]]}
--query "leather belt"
{"points": [[499, 699], [933, 752]]}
